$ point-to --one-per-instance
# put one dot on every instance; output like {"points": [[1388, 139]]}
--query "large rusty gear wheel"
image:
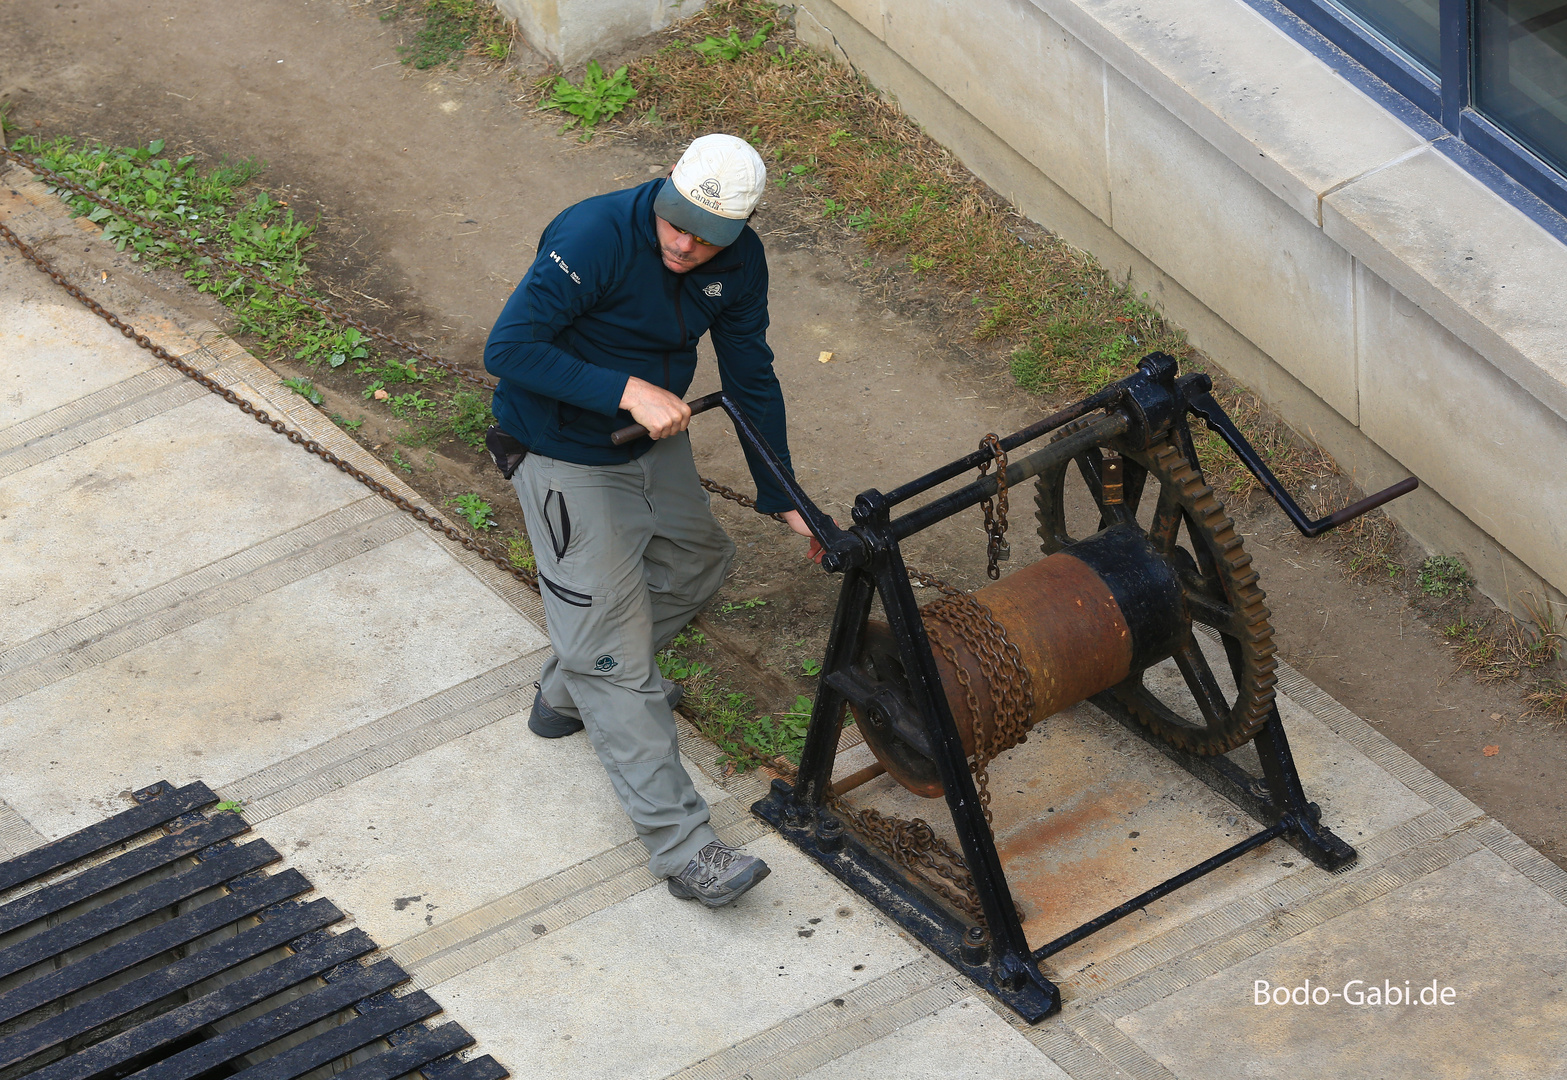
{"points": [[1219, 584]]}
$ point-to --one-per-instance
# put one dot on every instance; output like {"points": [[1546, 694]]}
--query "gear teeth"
{"points": [[1255, 691]]}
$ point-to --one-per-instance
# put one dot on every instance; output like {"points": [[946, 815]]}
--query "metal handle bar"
{"points": [[1202, 403], [634, 432]]}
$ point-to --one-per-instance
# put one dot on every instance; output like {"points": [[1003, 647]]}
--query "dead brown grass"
{"points": [[1506, 648]]}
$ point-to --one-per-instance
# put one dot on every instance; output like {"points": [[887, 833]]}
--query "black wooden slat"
{"points": [[120, 869], [241, 994], [284, 1020], [94, 838], [480, 1068], [414, 1053], [374, 1023], [219, 867], [280, 930]]}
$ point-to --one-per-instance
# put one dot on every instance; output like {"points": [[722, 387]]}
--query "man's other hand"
{"points": [[793, 519], [662, 413]]}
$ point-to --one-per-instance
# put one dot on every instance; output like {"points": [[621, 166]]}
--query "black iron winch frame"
{"points": [[1149, 406]]}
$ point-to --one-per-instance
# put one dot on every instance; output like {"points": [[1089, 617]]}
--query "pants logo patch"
{"points": [[604, 663]]}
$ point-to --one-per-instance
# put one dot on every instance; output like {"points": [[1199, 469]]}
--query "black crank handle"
{"points": [[1202, 403], [636, 431]]}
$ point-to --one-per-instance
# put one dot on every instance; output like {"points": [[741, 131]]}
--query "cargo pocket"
{"points": [[569, 596], [557, 520]]}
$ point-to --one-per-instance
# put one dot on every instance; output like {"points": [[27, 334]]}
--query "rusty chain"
{"points": [[996, 546], [261, 416]]}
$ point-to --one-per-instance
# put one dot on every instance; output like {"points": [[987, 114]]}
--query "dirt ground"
{"points": [[431, 188]]}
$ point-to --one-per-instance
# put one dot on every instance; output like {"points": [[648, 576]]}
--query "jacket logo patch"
{"points": [[710, 188], [604, 663], [562, 264], [715, 289]]}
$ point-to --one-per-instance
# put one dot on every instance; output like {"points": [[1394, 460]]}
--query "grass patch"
{"points": [[1507, 648], [519, 549], [1548, 700], [452, 29], [1443, 577], [745, 737]]}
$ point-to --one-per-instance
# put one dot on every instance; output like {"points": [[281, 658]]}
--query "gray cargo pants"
{"points": [[626, 555]]}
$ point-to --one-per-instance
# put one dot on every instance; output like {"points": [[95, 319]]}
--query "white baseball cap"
{"points": [[714, 187]]}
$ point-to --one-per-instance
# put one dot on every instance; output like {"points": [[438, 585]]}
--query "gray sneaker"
{"points": [[548, 723], [718, 875]]}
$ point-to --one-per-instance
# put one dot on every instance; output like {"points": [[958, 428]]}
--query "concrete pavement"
{"points": [[188, 596]]}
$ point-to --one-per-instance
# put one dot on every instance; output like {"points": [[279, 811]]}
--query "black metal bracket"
{"points": [[1150, 405]]}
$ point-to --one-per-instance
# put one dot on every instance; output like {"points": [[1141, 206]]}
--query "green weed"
{"points": [[335, 346], [811, 667], [471, 417], [229, 806], [346, 424], [474, 510], [401, 462], [1443, 576], [305, 389], [596, 100], [731, 46], [412, 406], [728, 608]]}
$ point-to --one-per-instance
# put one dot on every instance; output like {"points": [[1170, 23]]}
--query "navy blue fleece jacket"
{"points": [[599, 305]]}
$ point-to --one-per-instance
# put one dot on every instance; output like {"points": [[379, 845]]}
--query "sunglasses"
{"points": [[692, 235]]}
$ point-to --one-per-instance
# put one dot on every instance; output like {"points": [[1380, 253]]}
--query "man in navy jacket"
{"points": [[602, 333]]}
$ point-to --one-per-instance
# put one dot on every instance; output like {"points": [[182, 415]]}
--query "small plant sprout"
{"points": [[729, 608], [811, 666], [474, 510], [401, 462], [305, 389], [229, 806]]}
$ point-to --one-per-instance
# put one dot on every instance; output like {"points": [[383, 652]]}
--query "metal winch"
{"points": [[940, 690]]}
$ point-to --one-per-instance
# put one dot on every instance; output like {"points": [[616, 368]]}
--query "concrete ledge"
{"points": [[571, 32], [1280, 215]]}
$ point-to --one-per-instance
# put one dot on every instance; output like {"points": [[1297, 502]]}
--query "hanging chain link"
{"points": [[996, 546]]}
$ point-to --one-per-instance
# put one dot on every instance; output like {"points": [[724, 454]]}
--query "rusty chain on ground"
{"points": [[912, 843], [261, 416]]}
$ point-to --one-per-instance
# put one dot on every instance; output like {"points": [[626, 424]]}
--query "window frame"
{"points": [[1448, 101]]}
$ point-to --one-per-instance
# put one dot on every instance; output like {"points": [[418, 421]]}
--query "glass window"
{"points": [[1410, 26], [1521, 72]]}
